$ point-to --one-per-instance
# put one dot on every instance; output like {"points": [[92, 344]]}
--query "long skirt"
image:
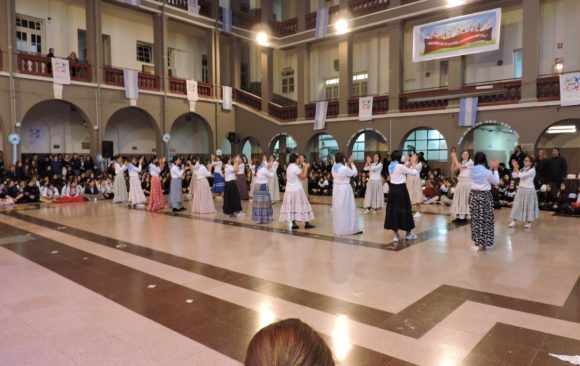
{"points": [[274, 188], [218, 183], [156, 201], [460, 204], [374, 196], [482, 218], [242, 186], [344, 219], [296, 207], [202, 198], [136, 195], [304, 183], [525, 207], [262, 212], [69, 199], [120, 189], [191, 187], [414, 189], [175, 193], [399, 214], [232, 202]]}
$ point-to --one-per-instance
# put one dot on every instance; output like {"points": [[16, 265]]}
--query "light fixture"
{"points": [[558, 66], [262, 38], [341, 26], [561, 129], [454, 3]]}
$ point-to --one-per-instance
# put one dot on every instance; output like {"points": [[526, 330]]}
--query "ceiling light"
{"points": [[561, 129], [262, 38], [341, 26], [453, 3]]}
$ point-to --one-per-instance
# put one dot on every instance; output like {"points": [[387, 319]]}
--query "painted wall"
{"points": [[282, 60], [189, 44], [322, 58], [131, 131], [559, 24], [419, 75], [189, 135], [54, 127]]}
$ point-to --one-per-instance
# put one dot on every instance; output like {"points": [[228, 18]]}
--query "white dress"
{"points": [[295, 206], [460, 203], [414, 186], [344, 218], [374, 196], [202, 197], [136, 195], [273, 183], [119, 185]]}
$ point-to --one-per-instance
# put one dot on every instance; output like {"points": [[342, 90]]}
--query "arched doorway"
{"points": [[427, 140], [251, 148], [55, 127], [496, 140], [191, 135], [226, 147], [281, 146], [133, 132], [321, 147], [564, 135], [367, 142]]}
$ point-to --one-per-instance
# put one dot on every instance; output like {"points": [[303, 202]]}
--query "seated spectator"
{"points": [[106, 189], [91, 191], [323, 188], [447, 191], [5, 199], [546, 197], [71, 193], [146, 185], [431, 193], [49, 193], [509, 195], [386, 187], [31, 193]]}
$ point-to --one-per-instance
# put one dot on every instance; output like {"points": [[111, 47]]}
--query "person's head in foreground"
{"points": [[288, 342]]}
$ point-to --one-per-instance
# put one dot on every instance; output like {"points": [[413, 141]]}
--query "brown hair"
{"points": [[288, 342]]}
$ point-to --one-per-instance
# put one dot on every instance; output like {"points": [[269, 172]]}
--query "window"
{"points": [[204, 69], [29, 34], [360, 84], [429, 141], [358, 149], [444, 73], [287, 76], [290, 148], [327, 146], [144, 52], [518, 64], [331, 88]]}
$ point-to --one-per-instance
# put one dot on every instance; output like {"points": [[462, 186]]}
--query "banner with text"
{"points": [[60, 71], [320, 115], [365, 109], [570, 89], [193, 7]]}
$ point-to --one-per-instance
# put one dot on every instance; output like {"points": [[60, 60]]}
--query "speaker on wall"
{"points": [[107, 149]]}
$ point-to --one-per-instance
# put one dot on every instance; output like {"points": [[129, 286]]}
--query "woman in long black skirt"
{"points": [[399, 214], [232, 203], [481, 201]]}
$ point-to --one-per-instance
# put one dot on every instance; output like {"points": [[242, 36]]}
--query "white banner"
{"points": [[192, 93], [226, 20], [193, 7], [133, 2], [227, 97], [57, 91], [570, 89], [365, 109], [131, 80], [468, 111], [320, 115], [321, 23], [192, 106], [60, 71]]}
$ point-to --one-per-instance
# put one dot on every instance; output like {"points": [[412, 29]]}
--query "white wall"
{"points": [[483, 67], [414, 74], [559, 24], [128, 128], [255, 63], [189, 135], [322, 57], [189, 44], [126, 27], [284, 59], [54, 123], [495, 142], [371, 55], [60, 32]]}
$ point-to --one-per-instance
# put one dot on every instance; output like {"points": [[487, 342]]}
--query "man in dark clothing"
{"points": [[518, 156], [542, 168], [56, 164], [557, 168], [31, 192], [49, 63]]}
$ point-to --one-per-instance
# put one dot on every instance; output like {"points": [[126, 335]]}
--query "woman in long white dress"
{"points": [[136, 195], [119, 185], [460, 203], [374, 196], [202, 196], [415, 189], [295, 206], [344, 220], [273, 183]]}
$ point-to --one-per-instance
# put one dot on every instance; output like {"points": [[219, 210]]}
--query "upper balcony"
{"points": [[205, 6], [41, 66], [115, 77]]}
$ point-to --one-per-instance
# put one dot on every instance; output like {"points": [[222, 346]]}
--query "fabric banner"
{"points": [[464, 35], [468, 111], [365, 109], [192, 93], [133, 2], [321, 23], [320, 116], [192, 105], [193, 7], [570, 89], [57, 90], [226, 20], [227, 97], [131, 79], [60, 71]]}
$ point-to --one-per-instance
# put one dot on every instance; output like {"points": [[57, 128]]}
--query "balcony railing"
{"points": [[380, 105], [244, 20], [331, 112], [283, 113], [504, 92], [114, 76], [179, 86], [284, 28], [549, 88], [311, 17], [421, 100], [41, 66], [205, 6], [362, 7], [248, 99]]}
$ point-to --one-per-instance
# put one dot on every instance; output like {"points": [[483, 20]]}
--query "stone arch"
{"points": [[251, 147], [276, 143], [191, 134], [133, 131], [499, 144], [377, 143], [321, 141], [564, 135]]}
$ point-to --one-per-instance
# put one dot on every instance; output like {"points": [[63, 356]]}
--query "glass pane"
{"points": [[433, 145], [25, 23], [434, 134], [421, 146], [443, 144], [421, 134], [411, 136], [18, 22]]}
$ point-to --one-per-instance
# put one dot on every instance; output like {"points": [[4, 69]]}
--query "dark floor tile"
{"points": [[506, 353], [544, 359], [521, 336], [561, 345]]}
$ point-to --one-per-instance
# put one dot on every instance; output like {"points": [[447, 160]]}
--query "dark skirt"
{"points": [[218, 183], [242, 186], [262, 212], [232, 203], [482, 218], [399, 214]]}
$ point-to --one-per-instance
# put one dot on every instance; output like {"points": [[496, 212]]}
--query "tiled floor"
{"points": [[99, 284]]}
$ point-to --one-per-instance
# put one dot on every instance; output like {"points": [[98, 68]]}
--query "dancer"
{"points": [[344, 220], [273, 182], [302, 164], [202, 197], [374, 196], [156, 201], [481, 201], [460, 203], [232, 203], [399, 212], [218, 178], [262, 212], [241, 181], [295, 206], [175, 192], [525, 207], [193, 165], [252, 166], [136, 195], [414, 188], [120, 186]]}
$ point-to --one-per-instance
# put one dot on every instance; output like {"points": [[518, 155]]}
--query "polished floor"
{"points": [[101, 284]]}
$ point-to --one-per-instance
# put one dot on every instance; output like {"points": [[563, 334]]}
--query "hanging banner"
{"points": [[133, 2], [131, 80], [226, 20], [193, 7], [60, 71], [227, 97], [468, 111], [321, 23], [320, 115], [464, 35], [192, 93], [365, 109], [570, 89], [57, 91]]}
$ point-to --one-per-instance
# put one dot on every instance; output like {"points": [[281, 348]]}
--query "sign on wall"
{"points": [[464, 35], [570, 89]]}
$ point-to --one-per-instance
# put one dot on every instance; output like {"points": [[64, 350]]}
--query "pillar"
{"points": [[396, 44], [160, 48], [235, 63], [214, 62], [301, 12], [266, 67], [94, 40], [530, 49], [455, 77], [8, 49], [344, 73], [267, 11], [302, 78]]}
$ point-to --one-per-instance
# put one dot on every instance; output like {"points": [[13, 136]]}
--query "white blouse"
{"points": [[526, 177], [154, 170], [202, 173], [176, 172], [374, 171], [217, 166], [465, 172], [399, 175], [293, 182], [241, 169], [134, 170], [343, 175], [120, 169], [229, 173], [263, 175]]}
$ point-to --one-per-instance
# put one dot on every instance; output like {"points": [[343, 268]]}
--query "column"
{"points": [[396, 45], [530, 49], [7, 32], [160, 48], [94, 41], [302, 78], [344, 73], [266, 67], [235, 63], [301, 12], [267, 11], [8, 48], [455, 75], [213, 64]]}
